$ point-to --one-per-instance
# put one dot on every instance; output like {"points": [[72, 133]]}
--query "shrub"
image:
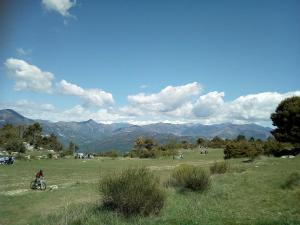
{"points": [[216, 142], [133, 191], [292, 181], [272, 147], [15, 145], [191, 177], [146, 153], [219, 167], [66, 153], [112, 153], [240, 149]]}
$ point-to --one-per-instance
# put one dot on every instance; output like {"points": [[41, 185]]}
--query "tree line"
{"points": [[14, 138]]}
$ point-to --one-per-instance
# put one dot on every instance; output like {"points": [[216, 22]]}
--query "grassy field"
{"points": [[250, 193]]}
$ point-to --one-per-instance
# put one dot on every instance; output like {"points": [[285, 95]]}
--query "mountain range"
{"points": [[96, 137]]}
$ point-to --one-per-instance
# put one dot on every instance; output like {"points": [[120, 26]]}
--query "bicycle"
{"points": [[38, 185]]}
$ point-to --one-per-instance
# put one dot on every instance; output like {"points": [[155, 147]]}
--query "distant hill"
{"points": [[12, 117], [93, 136]]}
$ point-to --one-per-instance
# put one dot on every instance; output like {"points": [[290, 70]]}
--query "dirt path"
{"points": [[60, 186], [14, 192]]}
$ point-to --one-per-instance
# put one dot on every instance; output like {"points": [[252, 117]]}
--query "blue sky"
{"points": [[194, 61]]}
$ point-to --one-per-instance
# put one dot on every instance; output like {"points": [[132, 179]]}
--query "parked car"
{"points": [[7, 160]]}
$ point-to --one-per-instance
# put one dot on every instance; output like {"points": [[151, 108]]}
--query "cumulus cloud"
{"points": [[131, 111], [168, 99], [210, 108], [180, 104], [256, 107], [34, 106], [208, 104], [60, 6], [253, 108], [91, 97], [28, 77], [79, 113]]}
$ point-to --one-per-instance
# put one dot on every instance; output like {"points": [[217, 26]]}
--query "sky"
{"points": [[152, 61]]}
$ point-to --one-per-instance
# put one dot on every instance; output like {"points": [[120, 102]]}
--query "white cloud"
{"points": [[181, 104], [34, 106], [79, 113], [183, 112], [23, 52], [210, 108], [256, 107], [143, 86], [131, 111], [67, 88], [60, 6], [168, 99], [146, 122], [208, 104], [29, 77], [91, 97], [253, 108]]}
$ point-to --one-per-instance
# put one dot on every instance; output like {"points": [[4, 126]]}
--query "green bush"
{"points": [[66, 153], [292, 181], [112, 153], [272, 147], [133, 191], [15, 145], [191, 177], [240, 149], [216, 142], [219, 167]]}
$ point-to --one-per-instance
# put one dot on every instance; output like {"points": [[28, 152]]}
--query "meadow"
{"points": [[250, 193]]}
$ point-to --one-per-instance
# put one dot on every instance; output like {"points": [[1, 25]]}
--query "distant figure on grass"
{"points": [[38, 177], [204, 151], [10, 160], [180, 156]]}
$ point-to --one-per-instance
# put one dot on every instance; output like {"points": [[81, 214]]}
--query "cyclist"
{"points": [[38, 177]]}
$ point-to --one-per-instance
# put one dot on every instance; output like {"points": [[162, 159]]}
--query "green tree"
{"points": [[33, 133], [149, 144], [7, 132], [15, 145], [172, 147], [200, 141], [71, 147], [241, 137], [217, 142], [139, 145], [252, 139], [287, 120], [185, 144], [55, 144]]}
